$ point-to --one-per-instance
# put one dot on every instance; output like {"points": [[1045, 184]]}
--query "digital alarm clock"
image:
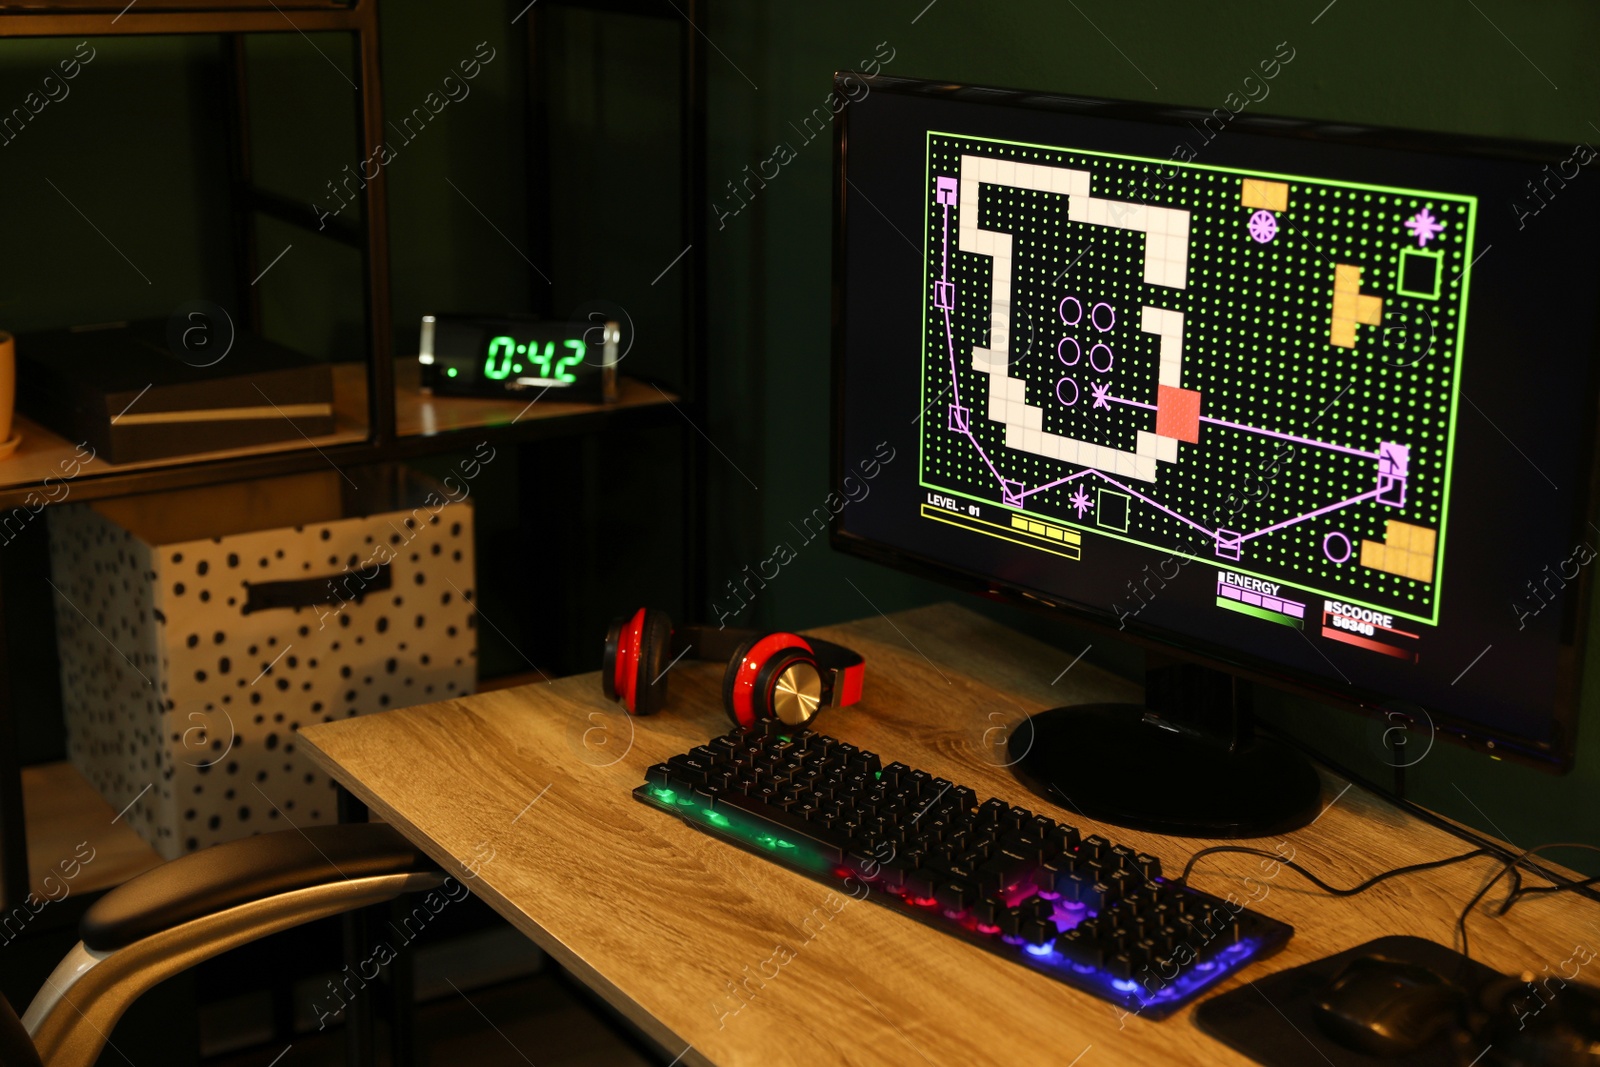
{"points": [[476, 355]]}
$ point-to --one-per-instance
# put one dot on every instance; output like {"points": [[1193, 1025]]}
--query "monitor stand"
{"points": [[1185, 763]]}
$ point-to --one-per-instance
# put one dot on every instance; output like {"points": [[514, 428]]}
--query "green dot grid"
{"points": [[1256, 346]]}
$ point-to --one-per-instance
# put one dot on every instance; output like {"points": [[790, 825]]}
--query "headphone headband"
{"points": [[843, 669]]}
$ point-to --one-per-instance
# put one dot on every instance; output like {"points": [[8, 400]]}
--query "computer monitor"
{"points": [[1284, 401]]}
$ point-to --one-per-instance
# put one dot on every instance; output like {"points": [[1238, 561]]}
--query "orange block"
{"points": [[1178, 414], [1259, 193], [1406, 550], [1351, 306]]}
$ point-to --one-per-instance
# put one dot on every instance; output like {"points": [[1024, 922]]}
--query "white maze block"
{"points": [[1165, 229], [1154, 446], [1167, 325], [1166, 263]]}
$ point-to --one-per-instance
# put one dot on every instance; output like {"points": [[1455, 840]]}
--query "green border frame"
{"points": [[1100, 493], [1469, 202], [1400, 273]]}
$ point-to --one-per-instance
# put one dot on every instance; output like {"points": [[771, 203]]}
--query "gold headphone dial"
{"points": [[797, 694]]}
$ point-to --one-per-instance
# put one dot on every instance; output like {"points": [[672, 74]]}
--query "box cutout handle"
{"points": [[346, 587]]}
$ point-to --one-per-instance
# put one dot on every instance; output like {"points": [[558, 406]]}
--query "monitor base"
{"points": [[1112, 763]]}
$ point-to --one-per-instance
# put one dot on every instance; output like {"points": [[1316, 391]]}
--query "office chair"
{"points": [[196, 907]]}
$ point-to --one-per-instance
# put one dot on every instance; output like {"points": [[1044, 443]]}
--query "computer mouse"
{"points": [[1384, 1007], [1527, 1023]]}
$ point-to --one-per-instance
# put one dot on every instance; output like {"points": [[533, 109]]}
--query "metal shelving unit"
{"points": [[382, 422]]}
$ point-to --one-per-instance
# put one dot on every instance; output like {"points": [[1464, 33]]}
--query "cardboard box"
{"points": [[199, 629]]}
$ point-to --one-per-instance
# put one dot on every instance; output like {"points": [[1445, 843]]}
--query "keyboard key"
{"points": [[827, 842], [1080, 948], [865, 763], [689, 769], [956, 895], [1064, 839]]}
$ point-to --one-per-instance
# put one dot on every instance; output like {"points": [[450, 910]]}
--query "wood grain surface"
{"points": [[68, 820], [45, 454], [524, 793]]}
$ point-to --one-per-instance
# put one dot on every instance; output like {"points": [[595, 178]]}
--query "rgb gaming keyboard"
{"points": [[1095, 915]]}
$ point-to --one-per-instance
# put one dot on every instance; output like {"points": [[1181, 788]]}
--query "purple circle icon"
{"points": [[1110, 317], [1061, 352], [1070, 384], [1335, 539], [1077, 310], [1099, 352], [1263, 226]]}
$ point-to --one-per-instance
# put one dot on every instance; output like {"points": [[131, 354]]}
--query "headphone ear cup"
{"points": [[797, 704], [608, 659], [731, 676], [650, 686]]}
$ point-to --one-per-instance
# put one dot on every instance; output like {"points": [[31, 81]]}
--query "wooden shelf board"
{"points": [[45, 454], [417, 415], [65, 813]]}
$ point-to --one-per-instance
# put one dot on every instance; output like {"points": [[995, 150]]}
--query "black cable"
{"points": [[1333, 890], [1532, 889], [1517, 891], [1509, 865], [1588, 888]]}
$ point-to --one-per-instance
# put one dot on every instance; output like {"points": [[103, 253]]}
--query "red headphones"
{"points": [[779, 676]]}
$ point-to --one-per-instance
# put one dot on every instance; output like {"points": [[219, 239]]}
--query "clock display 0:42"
{"points": [[506, 355]]}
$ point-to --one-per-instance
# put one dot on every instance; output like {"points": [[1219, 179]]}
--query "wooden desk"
{"points": [[530, 786]]}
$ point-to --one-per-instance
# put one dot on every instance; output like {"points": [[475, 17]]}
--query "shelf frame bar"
{"points": [[189, 17]]}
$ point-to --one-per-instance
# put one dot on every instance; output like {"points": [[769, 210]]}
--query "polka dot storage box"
{"points": [[200, 628]]}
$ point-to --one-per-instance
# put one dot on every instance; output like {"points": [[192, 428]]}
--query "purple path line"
{"points": [[950, 344], [1253, 429], [1159, 507], [1125, 488], [1288, 437], [1058, 481], [1320, 511], [944, 272]]}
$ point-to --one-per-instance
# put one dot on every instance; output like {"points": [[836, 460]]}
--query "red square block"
{"points": [[1178, 413]]}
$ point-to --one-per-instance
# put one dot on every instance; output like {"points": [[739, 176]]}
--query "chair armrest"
{"points": [[200, 905], [237, 872]]}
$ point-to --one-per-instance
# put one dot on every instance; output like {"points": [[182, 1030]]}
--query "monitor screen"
{"points": [[1311, 403]]}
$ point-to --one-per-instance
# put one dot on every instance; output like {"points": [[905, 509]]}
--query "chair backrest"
{"points": [[16, 1047]]}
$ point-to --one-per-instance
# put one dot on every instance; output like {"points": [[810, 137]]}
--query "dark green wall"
{"points": [[138, 148], [1426, 65]]}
